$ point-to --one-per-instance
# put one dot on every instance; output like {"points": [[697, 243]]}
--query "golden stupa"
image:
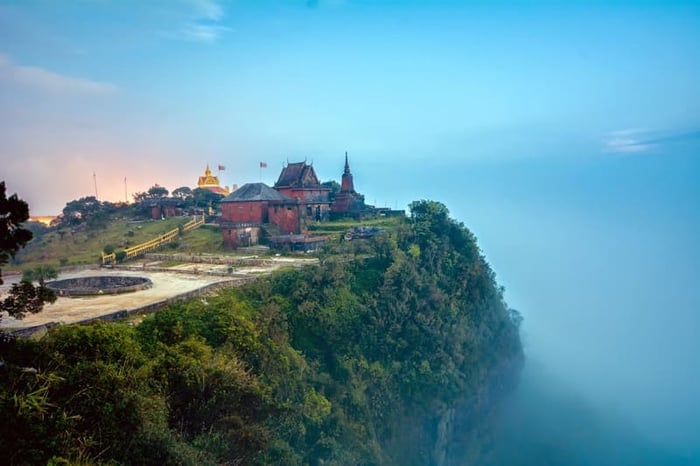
{"points": [[211, 183]]}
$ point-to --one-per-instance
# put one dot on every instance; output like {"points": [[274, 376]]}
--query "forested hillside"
{"points": [[395, 350]]}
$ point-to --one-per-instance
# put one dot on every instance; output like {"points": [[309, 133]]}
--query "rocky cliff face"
{"points": [[458, 434]]}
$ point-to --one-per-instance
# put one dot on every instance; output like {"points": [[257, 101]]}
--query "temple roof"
{"points": [[255, 192], [210, 180], [211, 183], [298, 175]]}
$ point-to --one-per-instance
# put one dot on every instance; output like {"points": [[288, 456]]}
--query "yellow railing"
{"points": [[154, 243]]}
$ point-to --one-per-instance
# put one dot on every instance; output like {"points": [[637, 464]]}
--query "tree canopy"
{"points": [[154, 192], [182, 192], [13, 212], [40, 274], [203, 198]]}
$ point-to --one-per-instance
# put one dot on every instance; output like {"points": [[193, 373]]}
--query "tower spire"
{"points": [[346, 184]]}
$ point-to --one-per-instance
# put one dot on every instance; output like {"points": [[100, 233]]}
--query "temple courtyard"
{"points": [[169, 280]]}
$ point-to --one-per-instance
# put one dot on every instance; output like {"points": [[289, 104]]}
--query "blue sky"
{"points": [[565, 134], [130, 88]]}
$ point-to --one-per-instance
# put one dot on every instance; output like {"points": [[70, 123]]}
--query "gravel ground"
{"points": [[189, 277]]}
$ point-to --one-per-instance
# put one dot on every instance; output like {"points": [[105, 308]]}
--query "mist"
{"points": [[600, 255], [549, 422]]}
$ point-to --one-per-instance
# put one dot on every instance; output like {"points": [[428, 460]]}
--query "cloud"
{"points": [[48, 81], [204, 23], [208, 9], [640, 140], [203, 32], [626, 141]]}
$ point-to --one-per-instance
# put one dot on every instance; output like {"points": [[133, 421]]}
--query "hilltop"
{"points": [[395, 349], [82, 244]]}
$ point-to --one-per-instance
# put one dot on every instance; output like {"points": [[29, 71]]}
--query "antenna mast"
{"points": [[94, 179]]}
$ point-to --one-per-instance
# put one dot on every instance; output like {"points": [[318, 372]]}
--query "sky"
{"points": [[565, 134]]}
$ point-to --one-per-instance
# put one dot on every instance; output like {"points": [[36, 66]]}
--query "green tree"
{"points": [[40, 274], [78, 210], [13, 212], [157, 191], [203, 199], [26, 298], [23, 296], [182, 192], [154, 192]]}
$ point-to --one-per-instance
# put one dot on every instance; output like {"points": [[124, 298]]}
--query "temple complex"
{"points": [[283, 212], [211, 183]]}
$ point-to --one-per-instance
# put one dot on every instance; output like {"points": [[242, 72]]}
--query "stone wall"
{"points": [[244, 212], [285, 217]]}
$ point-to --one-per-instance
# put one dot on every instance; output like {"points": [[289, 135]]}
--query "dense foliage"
{"points": [[356, 361]]}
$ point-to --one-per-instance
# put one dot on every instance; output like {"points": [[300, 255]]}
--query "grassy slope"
{"points": [[206, 238], [80, 245]]}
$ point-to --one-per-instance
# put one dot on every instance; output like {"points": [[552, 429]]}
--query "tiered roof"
{"points": [[298, 175]]}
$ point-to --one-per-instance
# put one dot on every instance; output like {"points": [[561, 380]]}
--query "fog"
{"points": [[601, 257], [548, 422]]}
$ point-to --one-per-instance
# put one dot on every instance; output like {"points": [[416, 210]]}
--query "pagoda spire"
{"points": [[346, 183]]}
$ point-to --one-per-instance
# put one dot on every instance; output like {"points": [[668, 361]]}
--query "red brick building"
{"points": [[299, 181], [246, 210]]}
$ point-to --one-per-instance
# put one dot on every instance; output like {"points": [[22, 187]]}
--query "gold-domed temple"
{"points": [[211, 183]]}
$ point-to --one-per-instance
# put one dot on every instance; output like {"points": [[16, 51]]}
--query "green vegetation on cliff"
{"points": [[393, 351]]}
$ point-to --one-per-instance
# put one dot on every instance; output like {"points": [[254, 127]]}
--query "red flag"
{"points": [[221, 167], [263, 165]]}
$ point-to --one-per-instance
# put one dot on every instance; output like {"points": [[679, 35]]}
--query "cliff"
{"points": [[395, 350]]}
